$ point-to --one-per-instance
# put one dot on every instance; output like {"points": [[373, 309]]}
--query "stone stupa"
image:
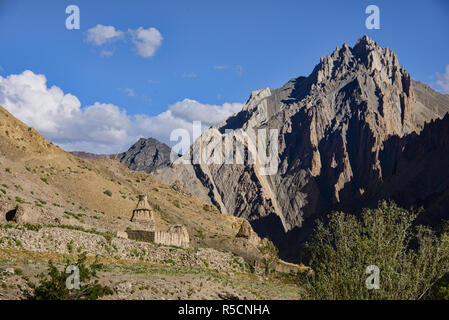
{"points": [[143, 214]]}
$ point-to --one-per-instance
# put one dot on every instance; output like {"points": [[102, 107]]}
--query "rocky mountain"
{"points": [[54, 205], [146, 155], [356, 130]]}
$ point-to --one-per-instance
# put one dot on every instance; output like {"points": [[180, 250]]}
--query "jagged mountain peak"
{"points": [[365, 56], [338, 138]]}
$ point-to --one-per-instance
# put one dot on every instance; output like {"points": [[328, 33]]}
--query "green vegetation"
{"points": [[169, 261], [200, 234], [177, 203], [20, 200], [108, 193], [77, 216], [441, 289], [70, 247], [53, 285], [411, 259], [44, 180], [270, 252], [18, 272]]}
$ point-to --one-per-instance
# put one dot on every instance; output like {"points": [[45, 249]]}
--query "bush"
{"points": [[108, 193], [200, 234], [411, 260], [441, 289], [53, 285]]}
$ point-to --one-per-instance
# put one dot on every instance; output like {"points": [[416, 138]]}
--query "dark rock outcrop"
{"points": [[146, 155]]}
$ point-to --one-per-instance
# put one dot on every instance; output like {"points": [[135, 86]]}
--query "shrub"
{"points": [[411, 259], [177, 203], [18, 272], [441, 289], [108, 193], [53, 285], [200, 234], [20, 200]]}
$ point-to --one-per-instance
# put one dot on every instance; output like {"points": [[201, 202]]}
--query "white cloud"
{"points": [[443, 80], [101, 127], [101, 34], [192, 110], [221, 67], [147, 41]]}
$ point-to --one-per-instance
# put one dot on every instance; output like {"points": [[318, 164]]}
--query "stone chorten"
{"points": [[143, 214]]}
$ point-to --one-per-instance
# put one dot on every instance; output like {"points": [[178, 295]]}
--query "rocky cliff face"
{"points": [[146, 155], [349, 134]]}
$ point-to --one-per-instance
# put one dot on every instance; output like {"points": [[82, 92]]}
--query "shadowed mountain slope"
{"points": [[348, 135]]}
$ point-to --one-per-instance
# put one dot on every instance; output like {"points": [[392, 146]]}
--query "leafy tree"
{"points": [[53, 285], [441, 289], [411, 259]]}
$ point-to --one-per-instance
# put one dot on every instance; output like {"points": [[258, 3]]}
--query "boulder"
{"points": [[17, 213], [121, 234], [246, 232], [23, 214], [177, 186]]}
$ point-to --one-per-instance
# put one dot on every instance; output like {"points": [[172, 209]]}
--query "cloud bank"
{"points": [[101, 127]]}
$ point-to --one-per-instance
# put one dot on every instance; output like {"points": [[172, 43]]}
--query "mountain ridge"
{"points": [[332, 128]]}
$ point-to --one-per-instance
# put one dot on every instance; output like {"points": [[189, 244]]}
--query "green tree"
{"points": [[411, 259], [52, 286]]}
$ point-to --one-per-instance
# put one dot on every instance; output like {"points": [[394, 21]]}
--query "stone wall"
{"points": [[170, 239], [176, 236], [141, 235]]}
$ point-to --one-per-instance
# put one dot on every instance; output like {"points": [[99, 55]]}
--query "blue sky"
{"points": [[211, 53]]}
